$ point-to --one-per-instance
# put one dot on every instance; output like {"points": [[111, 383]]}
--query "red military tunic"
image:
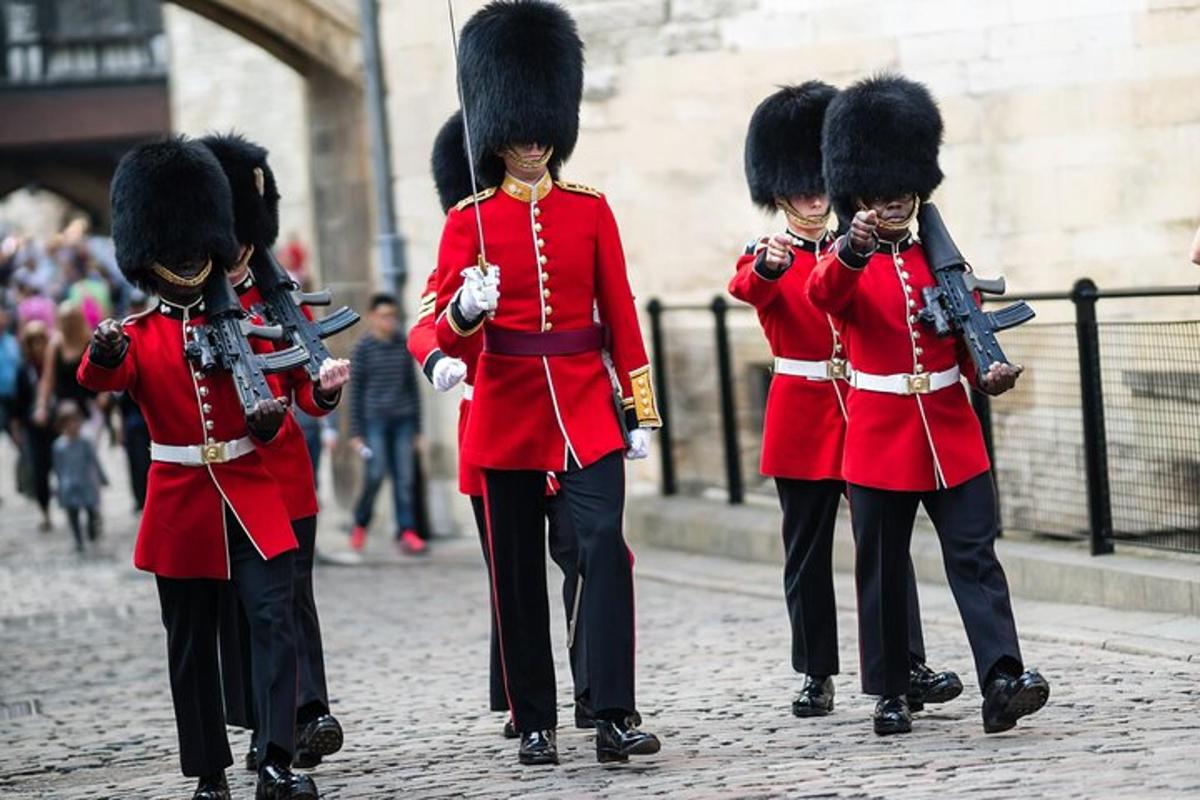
{"points": [[562, 267], [287, 454], [182, 533], [422, 344], [805, 420], [916, 442]]}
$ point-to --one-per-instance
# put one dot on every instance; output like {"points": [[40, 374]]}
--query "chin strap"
{"points": [[183, 283], [531, 164], [802, 221], [904, 224]]}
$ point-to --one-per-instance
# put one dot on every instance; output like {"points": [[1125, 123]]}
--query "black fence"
{"points": [[1101, 439]]}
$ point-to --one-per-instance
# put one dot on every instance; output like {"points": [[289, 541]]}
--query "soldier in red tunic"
{"points": [[805, 420], [213, 510], [544, 401], [256, 223], [912, 437]]}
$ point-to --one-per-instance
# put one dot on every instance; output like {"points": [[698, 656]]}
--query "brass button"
{"points": [[920, 368], [916, 334], [541, 243], [837, 348], [899, 261], [545, 292], [912, 319], [545, 277], [206, 408], [904, 275], [537, 212], [549, 311], [548, 326], [208, 424], [537, 227], [918, 350], [907, 288], [204, 391], [912, 303], [210, 440], [542, 260]]}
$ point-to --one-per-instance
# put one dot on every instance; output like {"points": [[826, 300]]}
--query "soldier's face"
{"points": [[181, 295], [894, 210], [519, 160], [810, 205]]}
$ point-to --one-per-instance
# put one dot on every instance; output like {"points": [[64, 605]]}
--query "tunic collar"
{"points": [[811, 245], [527, 192], [245, 284], [898, 246], [176, 311]]}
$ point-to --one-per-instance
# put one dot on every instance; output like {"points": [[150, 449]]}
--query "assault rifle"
{"points": [[221, 344], [283, 305], [950, 306]]}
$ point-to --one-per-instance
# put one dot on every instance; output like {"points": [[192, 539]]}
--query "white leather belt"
{"points": [[833, 369], [198, 455], [468, 392], [902, 383]]}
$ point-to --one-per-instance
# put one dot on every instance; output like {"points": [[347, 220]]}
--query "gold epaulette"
{"points": [[478, 197], [578, 187]]}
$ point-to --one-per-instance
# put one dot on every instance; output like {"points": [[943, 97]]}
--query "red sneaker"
{"points": [[358, 537], [411, 543]]}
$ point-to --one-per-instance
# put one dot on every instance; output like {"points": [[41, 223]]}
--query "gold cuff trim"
{"points": [[428, 306], [463, 332], [645, 406]]}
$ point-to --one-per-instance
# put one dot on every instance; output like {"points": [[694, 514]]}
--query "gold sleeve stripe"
{"points": [[646, 406]]}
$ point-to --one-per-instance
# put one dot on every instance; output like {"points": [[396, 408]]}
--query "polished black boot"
{"points": [[277, 782], [1007, 699], [927, 686], [212, 787], [618, 740], [510, 729], [537, 748], [252, 753], [815, 698], [892, 716], [585, 718], [318, 738]]}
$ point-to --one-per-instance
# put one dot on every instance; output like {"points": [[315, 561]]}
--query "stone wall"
{"points": [[220, 82]]}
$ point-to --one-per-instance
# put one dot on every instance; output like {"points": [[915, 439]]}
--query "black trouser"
{"points": [[237, 658], [809, 518], [516, 506], [93, 523], [564, 550], [189, 613], [965, 519], [137, 450]]}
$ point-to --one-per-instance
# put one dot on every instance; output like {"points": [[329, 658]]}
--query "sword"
{"points": [[483, 264]]}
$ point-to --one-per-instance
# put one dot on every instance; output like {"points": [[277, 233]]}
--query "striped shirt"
{"points": [[383, 383]]}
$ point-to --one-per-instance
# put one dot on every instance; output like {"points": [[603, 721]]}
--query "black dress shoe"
{"points": [[815, 698], [892, 716], [276, 782], [212, 787], [510, 729], [585, 718], [538, 747], [316, 739], [927, 686], [617, 741], [1007, 699], [252, 753]]}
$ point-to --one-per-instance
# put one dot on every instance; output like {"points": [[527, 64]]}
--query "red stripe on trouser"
{"points": [[487, 516]]}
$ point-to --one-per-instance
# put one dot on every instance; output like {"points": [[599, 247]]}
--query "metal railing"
{"points": [[1100, 440]]}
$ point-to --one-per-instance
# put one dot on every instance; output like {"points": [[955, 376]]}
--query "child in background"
{"points": [[78, 472]]}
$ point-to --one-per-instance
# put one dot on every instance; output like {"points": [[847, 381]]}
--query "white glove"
{"points": [[480, 294], [639, 444], [447, 372]]}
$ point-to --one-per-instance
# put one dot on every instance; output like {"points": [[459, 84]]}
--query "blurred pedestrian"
{"points": [[10, 368], [78, 472], [58, 379], [36, 434], [384, 414]]}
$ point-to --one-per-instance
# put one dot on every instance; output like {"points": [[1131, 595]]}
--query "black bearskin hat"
{"points": [[783, 144], [881, 139], [451, 172], [171, 204], [521, 67], [255, 200]]}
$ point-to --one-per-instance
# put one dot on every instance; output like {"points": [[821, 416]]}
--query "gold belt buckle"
{"points": [[835, 369], [213, 453], [916, 384]]}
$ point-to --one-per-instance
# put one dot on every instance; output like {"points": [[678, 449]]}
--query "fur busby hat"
{"points": [[521, 67], [783, 144], [255, 197], [881, 139], [171, 204], [451, 171]]}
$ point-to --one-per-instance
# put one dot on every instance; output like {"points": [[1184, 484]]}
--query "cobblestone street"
{"points": [[81, 647]]}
